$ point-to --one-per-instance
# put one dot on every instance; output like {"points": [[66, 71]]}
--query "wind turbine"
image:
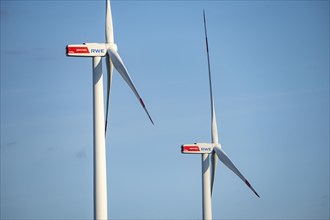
{"points": [[110, 52], [211, 149]]}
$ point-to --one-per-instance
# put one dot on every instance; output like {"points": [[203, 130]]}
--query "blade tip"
{"points": [[249, 185], [257, 194], [144, 107]]}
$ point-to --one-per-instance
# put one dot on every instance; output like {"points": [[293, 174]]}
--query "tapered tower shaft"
{"points": [[100, 172], [206, 184]]}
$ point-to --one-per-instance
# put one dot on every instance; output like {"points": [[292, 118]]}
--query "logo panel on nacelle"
{"points": [[197, 148], [87, 50]]}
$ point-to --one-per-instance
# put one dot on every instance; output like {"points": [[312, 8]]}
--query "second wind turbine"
{"points": [[211, 149]]}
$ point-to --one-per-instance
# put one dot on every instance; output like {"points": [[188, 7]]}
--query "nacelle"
{"points": [[86, 50], [197, 148]]}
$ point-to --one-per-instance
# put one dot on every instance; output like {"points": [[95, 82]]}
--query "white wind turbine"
{"points": [[97, 51], [211, 149]]}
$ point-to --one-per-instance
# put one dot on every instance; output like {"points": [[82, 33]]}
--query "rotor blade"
{"points": [[214, 163], [120, 67], [213, 117], [214, 128], [225, 159], [109, 80], [108, 24]]}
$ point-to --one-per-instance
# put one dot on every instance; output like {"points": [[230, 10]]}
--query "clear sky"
{"points": [[270, 66]]}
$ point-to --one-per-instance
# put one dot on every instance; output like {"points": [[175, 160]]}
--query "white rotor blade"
{"points": [[109, 80], [225, 159], [120, 67], [108, 24], [214, 128], [214, 163]]}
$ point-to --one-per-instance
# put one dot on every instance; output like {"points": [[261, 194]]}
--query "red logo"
{"points": [[74, 50], [190, 148]]}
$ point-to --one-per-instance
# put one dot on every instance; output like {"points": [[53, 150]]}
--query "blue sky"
{"points": [[270, 66]]}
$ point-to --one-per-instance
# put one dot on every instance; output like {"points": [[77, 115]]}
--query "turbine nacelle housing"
{"points": [[198, 148], [87, 50]]}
